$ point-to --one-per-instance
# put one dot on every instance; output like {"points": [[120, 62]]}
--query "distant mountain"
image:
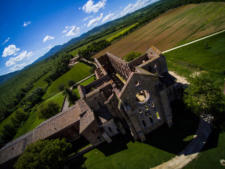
{"points": [[5, 77], [51, 52]]}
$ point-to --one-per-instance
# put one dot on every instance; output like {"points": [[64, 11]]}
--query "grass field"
{"points": [[203, 56], [173, 28], [77, 73]]}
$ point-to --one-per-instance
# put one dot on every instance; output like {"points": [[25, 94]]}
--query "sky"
{"points": [[30, 28]]}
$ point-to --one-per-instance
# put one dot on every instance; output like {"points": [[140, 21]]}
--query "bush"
{"points": [[48, 110], [44, 154], [131, 56]]}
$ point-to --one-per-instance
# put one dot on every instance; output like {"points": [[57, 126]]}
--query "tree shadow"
{"points": [[212, 141], [76, 163]]}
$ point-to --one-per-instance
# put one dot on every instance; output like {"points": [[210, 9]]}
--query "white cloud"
{"points": [[13, 60], [10, 50], [87, 18], [71, 31], [135, 6], [108, 17], [25, 24], [5, 41], [18, 67], [47, 38], [95, 20], [90, 6]]}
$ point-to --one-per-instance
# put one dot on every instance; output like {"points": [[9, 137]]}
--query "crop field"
{"points": [[173, 28], [77, 73], [121, 32], [110, 37], [203, 56]]}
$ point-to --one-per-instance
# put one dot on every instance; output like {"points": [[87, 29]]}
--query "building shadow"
{"points": [[119, 143], [176, 138]]}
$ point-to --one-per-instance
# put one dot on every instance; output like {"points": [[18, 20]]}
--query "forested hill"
{"points": [[6, 77], [50, 67]]}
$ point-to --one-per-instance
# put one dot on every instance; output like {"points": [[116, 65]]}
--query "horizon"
{"points": [[26, 39]]}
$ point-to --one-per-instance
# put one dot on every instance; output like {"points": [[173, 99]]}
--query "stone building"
{"points": [[126, 97]]}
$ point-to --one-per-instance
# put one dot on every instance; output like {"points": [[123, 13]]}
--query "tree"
{"points": [[131, 56], [35, 97], [206, 98], [20, 117], [71, 96], [44, 154], [8, 132], [48, 110]]}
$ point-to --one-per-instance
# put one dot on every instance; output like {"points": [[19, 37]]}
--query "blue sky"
{"points": [[29, 28]]}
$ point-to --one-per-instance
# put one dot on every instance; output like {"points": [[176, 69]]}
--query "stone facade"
{"points": [[127, 97]]}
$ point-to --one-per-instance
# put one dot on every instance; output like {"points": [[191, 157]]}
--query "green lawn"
{"points": [[77, 73], [210, 158], [58, 99], [85, 83], [206, 55]]}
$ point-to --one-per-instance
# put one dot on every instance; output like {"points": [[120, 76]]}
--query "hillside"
{"points": [[6, 77], [174, 27]]}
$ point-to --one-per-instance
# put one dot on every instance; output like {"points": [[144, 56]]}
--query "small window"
{"points": [[150, 118], [143, 122], [137, 84], [110, 130], [157, 115]]}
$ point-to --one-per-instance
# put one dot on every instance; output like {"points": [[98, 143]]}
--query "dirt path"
{"points": [[180, 79], [186, 44], [191, 151]]}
